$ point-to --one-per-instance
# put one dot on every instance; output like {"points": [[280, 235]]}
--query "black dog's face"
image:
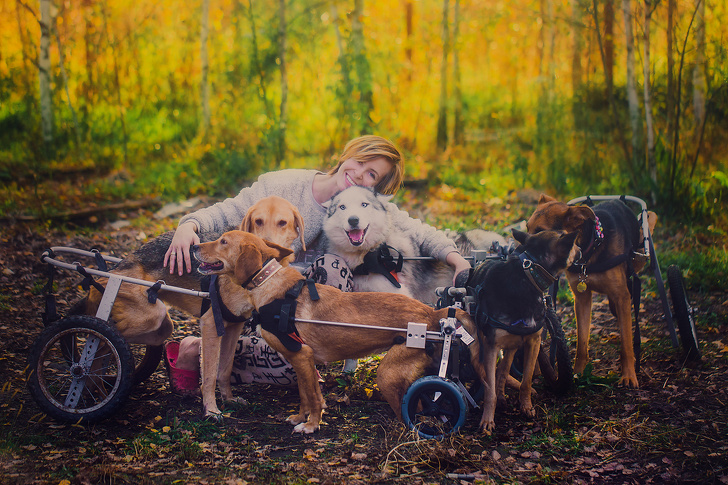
{"points": [[507, 295], [553, 250]]}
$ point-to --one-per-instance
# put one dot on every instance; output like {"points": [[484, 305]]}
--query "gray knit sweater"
{"points": [[296, 185]]}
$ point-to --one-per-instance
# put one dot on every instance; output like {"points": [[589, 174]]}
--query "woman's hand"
{"points": [[178, 254], [459, 264]]}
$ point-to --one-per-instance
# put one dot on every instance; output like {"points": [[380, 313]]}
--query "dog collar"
{"points": [[269, 269], [537, 274], [596, 236]]}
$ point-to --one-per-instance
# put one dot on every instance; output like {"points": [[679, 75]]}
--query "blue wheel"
{"points": [[434, 407]]}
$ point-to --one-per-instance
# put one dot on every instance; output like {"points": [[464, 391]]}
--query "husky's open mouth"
{"points": [[356, 236]]}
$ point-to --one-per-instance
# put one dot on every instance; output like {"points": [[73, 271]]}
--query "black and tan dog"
{"points": [[511, 309], [142, 321], [610, 240], [306, 342]]}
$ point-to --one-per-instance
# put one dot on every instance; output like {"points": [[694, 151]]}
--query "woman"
{"points": [[369, 161]]}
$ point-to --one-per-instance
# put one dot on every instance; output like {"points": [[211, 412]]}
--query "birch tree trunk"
{"points": [[457, 90], [649, 128], [609, 44], [44, 75], [409, 13], [283, 117], [205, 67], [363, 71], [670, 97], [345, 76], [442, 116], [699, 83], [632, 99], [577, 33]]}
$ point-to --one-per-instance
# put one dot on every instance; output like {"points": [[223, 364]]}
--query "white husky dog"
{"points": [[359, 221]]}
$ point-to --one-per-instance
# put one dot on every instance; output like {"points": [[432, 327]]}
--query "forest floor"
{"points": [[673, 429]]}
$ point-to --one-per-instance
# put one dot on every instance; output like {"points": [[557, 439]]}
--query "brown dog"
{"points": [[143, 322], [609, 237], [241, 257]]}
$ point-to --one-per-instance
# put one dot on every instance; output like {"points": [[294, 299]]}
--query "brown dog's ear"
{"points": [[249, 262], [299, 227], [519, 236], [247, 224], [544, 199], [276, 251], [577, 216]]}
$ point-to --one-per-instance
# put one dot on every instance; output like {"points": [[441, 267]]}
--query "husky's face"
{"points": [[357, 220]]}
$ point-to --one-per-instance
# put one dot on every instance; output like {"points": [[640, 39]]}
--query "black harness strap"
{"points": [[88, 280], [220, 312], [381, 261], [153, 292], [51, 313], [279, 316]]}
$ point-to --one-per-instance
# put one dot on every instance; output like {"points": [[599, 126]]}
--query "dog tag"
{"points": [[464, 335], [581, 287]]}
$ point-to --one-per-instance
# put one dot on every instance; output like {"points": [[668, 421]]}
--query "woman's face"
{"points": [[365, 174]]}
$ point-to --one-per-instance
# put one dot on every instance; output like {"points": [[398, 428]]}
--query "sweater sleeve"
{"points": [[229, 213], [428, 240]]}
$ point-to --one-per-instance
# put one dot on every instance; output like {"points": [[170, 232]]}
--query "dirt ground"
{"points": [[673, 429]]}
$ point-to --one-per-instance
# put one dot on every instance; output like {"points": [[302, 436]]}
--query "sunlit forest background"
{"points": [[119, 100]]}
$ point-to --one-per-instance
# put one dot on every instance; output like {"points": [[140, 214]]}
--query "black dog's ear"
{"points": [[519, 236], [565, 243]]}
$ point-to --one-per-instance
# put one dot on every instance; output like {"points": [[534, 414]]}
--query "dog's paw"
{"points": [[487, 426], [296, 419], [528, 410], [501, 402], [629, 381], [237, 400], [306, 428], [214, 415]]}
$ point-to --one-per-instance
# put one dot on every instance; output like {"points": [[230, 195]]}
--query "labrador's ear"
{"points": [[247, 224], [249, 262], [273, 250], [299, 227]]}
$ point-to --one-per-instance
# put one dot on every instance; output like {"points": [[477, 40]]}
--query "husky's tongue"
{"points": [[356, 236]]}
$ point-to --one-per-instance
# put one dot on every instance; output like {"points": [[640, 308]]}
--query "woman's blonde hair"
{"points": [[369, 147]]}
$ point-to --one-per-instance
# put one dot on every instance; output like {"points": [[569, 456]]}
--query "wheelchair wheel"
{"points": [[554, 359], [146, 360], [80, 369], [434, 407], [683, 313]]}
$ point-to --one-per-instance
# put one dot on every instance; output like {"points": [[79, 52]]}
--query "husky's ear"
{"points": [[519, 236], [383, 197]]}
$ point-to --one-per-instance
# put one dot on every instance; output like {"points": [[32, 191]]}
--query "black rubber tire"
{"points": [[682, 313], [56, 374], [554, 358], [434, 407], [147, 359]]}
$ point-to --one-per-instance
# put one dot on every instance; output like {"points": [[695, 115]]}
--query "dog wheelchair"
{"points": [[80, 368], [681, 311]]}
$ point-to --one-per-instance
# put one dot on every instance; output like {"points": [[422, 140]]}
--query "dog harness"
{"points": [[279, 316], [538, 276], [220, 312], [381, 261]]}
